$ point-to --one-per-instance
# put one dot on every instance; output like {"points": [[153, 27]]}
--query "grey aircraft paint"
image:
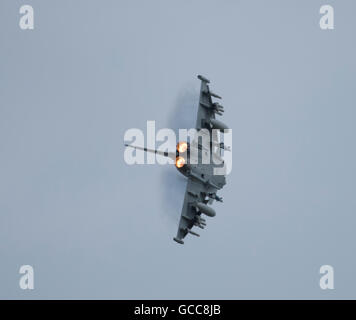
{"points": [[202, 184]]}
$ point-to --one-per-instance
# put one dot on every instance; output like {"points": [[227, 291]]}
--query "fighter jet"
{"points": [[203, 182]]}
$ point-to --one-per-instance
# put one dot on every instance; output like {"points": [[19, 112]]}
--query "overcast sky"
{"points": [[94, 227]]}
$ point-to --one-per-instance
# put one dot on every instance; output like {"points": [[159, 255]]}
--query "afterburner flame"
{"points": [[180, 162], [182, 147]]}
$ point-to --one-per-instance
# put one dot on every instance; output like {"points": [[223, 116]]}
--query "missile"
{"points": [[218, 109], [203, 223], [215, 197], [217, 105], [193, 233], [215, 95], [199, 225]]}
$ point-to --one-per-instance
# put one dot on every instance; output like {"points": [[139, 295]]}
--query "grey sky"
{"points": [[94, 227]]}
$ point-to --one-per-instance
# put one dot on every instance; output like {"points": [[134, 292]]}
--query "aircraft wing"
{"points": [[195, 200], [207, 109]]}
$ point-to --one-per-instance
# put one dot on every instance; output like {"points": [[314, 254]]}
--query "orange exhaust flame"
{"points": [[180, 162], [182, 147]]}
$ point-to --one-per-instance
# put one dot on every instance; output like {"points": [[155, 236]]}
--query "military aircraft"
{"points": [[203, 183]]}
